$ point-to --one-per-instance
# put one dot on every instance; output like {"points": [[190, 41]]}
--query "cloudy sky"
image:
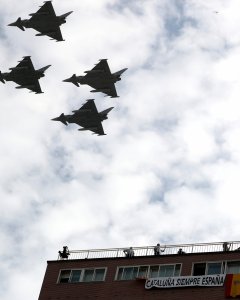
{"points": [[168, 169]]}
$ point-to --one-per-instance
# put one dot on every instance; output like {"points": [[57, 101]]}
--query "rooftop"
{"points": [[149, 250]]}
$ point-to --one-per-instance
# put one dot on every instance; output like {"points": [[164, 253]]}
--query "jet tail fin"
{"points": [[61, 118], [18, 23], [73, 80]]}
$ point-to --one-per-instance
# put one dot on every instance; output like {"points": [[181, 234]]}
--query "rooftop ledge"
{"points": [[149, 250]]}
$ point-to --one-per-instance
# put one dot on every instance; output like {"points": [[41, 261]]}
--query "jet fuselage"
{"points": [[85, 117], [99, 79], [44, 24], [16, 75]]}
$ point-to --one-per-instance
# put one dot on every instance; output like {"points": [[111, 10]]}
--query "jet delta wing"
{"points": [[103, 83], [90, 118]]}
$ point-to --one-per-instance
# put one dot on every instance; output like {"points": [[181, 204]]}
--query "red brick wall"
{"points": [[129, 289]]}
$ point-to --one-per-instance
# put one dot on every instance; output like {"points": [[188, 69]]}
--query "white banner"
{"points": [[185, 281]]}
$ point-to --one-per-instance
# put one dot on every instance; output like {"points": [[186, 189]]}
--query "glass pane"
{"points": [[99, 274], [177, 270], [88, 275], [135, 272], [64, 276], [214, 268], [75, 276], [199, 269], [120, 272], [143, 270], [169, 271], [233, 267], [162, 271], [127, 273], [153, 271], [166, 271]]}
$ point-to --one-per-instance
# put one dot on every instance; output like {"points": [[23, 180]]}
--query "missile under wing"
{"points": [[87, 117], [44, 21], [25, 75], [100, 78]]}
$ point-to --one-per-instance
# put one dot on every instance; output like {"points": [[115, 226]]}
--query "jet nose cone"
{"points": [[68, 79], [55, 119], [12, 24], [73, 80]]}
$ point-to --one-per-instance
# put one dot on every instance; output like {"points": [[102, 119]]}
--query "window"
{"points": [[153, 271], [119, 273], [99, 274], [64, 276], [233, 267], [88, 275], [93, 275], [166, 271], [210, 268], [127, 273], [82, 275], [169, 270], [75, 275], [214, 268], [143, 271], [130, 273], [177, 270], [199, 269]]}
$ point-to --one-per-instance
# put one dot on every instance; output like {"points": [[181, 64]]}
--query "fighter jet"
{"points": [[87, 117], [100, 78], [25, 75], [44, 21]]}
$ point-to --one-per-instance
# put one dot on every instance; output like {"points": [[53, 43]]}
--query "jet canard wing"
{"points": [[101, 72], [23, 75], [89, 118]]}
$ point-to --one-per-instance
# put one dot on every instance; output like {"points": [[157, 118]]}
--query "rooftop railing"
{"points": [[149, 250]]}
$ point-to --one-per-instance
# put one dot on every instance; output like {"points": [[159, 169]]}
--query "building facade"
{"points": [[171, 272]]}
